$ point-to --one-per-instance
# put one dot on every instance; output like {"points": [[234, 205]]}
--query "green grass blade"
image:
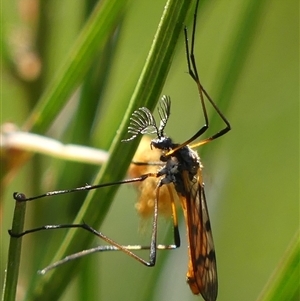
{"points": [[50, 286], [284, 283], [96, 33], [14, 253]]}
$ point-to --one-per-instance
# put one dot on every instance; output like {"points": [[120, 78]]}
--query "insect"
{"points": [[177, 175]]}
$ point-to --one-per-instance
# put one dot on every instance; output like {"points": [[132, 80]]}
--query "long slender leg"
{"points": [[20, 197], [113, 245], [193, 72]]}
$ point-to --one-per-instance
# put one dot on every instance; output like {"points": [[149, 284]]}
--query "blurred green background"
{"points": [[248, 59]]}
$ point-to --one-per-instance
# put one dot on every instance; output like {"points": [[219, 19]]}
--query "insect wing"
{"points": [[202, 269]]}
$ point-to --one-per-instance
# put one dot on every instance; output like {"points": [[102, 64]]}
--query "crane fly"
{"points": [[177, 174]]}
